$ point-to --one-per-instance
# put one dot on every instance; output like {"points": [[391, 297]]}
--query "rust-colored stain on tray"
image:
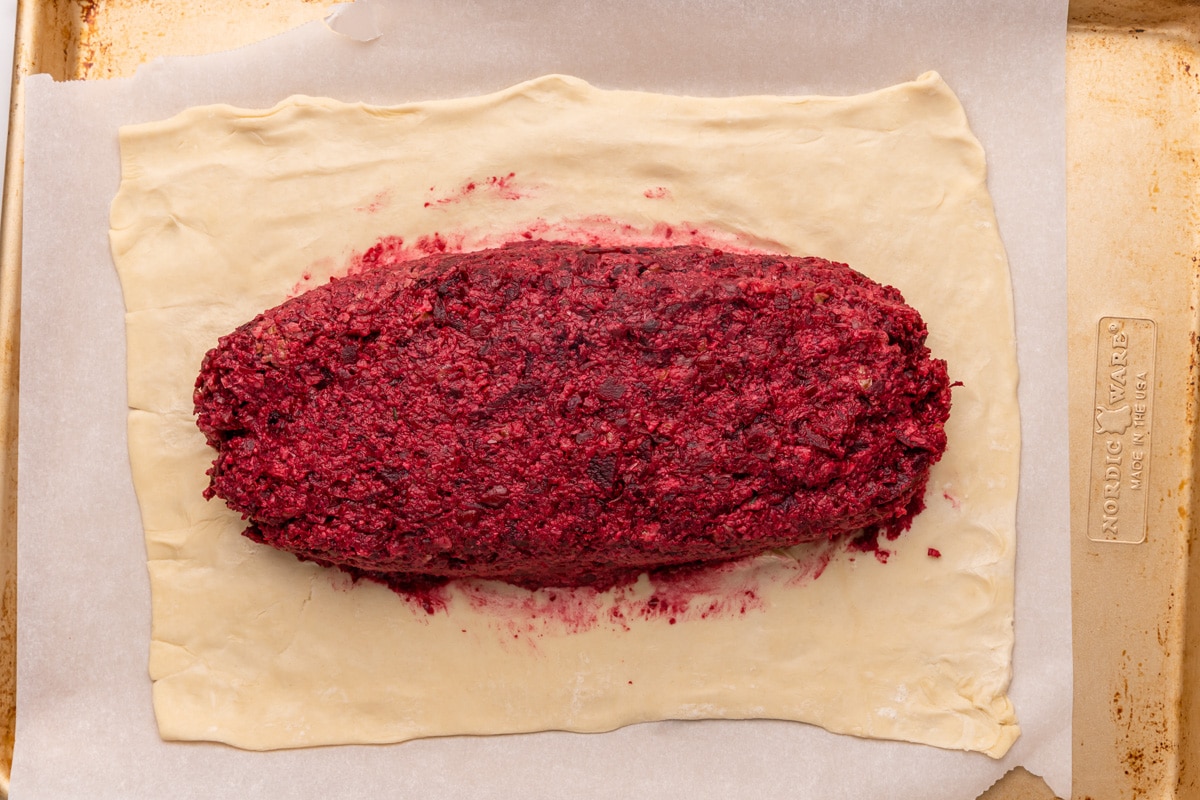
{"points": [[92, 47], [110, 38]]}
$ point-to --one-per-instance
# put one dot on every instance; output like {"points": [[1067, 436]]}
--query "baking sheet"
{"points": [[84, 619], [1132, 210]]}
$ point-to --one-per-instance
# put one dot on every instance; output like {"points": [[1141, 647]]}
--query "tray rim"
{"points": [[33, 54]]}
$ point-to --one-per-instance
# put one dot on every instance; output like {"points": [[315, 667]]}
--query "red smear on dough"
{"points": [[500, 186], [380, 201]]}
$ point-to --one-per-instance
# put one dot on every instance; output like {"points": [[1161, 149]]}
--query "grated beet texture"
{"points": [[556, 415]]}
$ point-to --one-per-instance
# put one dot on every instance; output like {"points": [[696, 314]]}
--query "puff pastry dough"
{"points": [[223, 212]]}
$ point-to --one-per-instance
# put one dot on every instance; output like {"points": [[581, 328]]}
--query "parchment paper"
{"points": [[84, 716]]}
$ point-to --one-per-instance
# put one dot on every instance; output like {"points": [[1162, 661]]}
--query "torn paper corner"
{"points": [[358, 21]]}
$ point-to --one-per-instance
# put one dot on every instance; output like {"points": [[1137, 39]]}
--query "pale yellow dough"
{"points": [[222, 212]]}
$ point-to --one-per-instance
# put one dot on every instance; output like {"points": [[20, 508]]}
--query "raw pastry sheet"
{"points": [[1009, 80], [224, 212]]}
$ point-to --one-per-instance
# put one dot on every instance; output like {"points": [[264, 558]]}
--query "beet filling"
{"points": [[551, 414]]}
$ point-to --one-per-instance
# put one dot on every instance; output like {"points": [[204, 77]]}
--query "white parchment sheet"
{"points": [[85, 725]]}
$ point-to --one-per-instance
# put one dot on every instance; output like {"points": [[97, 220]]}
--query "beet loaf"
{"points": [[553, 414]]}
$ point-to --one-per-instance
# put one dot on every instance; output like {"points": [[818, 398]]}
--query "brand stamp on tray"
{"points": [[1121, 425]]}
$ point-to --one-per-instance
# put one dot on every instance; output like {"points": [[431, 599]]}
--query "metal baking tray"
{"points": [[1133, 95], [1132, 81]]}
